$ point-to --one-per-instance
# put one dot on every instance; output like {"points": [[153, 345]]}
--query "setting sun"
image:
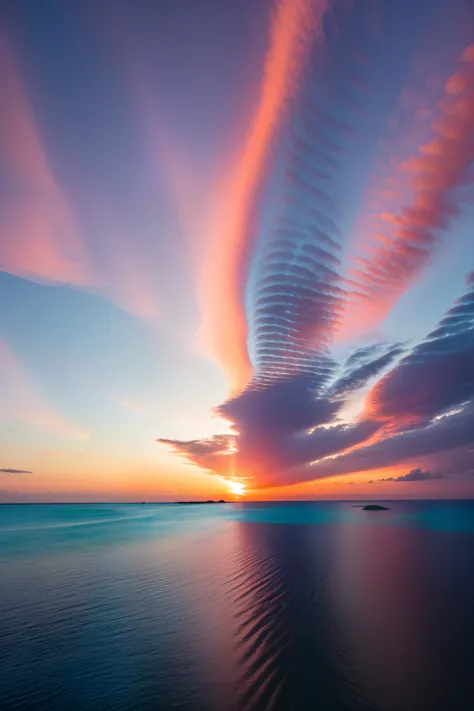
{"points": [[237, 488]]}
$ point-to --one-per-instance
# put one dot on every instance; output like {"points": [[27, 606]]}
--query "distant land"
{"points": [[210, 501]]}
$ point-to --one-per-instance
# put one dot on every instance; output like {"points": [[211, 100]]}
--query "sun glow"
{"points": [[237, 488]]}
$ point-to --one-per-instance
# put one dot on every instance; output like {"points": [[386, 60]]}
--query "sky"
{"points": [[236, 249]]}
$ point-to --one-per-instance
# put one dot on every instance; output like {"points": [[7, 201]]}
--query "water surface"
{"points": [[290, 606]]}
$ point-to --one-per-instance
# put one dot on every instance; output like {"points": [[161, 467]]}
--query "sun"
{"points": [[237, 488]]}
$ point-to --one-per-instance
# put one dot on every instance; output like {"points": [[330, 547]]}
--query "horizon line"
{"points": [[248, 501]]}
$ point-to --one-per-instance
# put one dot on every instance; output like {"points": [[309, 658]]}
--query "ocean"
{"points": [[275, 606]]}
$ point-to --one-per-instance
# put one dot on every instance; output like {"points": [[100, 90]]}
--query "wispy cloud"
{"points": [[363, 365], [42, 229], [15, 471], [39, 235], [435, 377], [407, 239], [126, 265], [22, 401], [413, 475]]}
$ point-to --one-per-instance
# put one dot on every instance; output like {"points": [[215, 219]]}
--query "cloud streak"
{"points": [[413, 475], [408, 239], [22, 401], [39, 236], [43, 230], [224, 327], [435, 377]]}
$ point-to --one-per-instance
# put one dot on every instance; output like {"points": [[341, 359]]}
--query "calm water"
{"points": [[253, 606]]}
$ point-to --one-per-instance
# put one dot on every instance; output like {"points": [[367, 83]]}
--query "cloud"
{"points": [[127, 266], [213, 446], [282, 220], [278, 425], [413, 475], [42, 229], [360, 368], [425, 404], [408, 238], [296, 297], [286, 431], [15, 471], [39, 236], [287, 406], [286, 420], [363, 354], [436, 376], [266, 459], [224, 329], [446, 434]]}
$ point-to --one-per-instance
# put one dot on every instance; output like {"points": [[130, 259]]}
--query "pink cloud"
{"points": [[224, 326], [406, 235], [39, 236]]}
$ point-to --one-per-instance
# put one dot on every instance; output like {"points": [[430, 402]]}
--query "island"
{"points": [[210, 501], [375, 507]]}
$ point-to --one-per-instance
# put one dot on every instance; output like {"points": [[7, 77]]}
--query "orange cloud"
{"points": [[224, 326], [22, 402], [39, 237], [405, 239]]}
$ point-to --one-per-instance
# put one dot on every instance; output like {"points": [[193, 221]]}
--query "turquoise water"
{"points": [[237, 606]]}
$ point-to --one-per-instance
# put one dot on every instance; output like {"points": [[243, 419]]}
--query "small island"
{"points": [[375, 507], [210, 501]]}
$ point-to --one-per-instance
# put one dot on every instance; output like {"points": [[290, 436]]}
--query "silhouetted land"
{"points": [[221, 501], [375, 507]]}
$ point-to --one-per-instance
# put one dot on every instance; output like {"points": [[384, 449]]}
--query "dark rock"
{"points": [[375, 507]]}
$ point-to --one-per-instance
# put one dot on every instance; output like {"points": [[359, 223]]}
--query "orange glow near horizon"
{"points": [[131, 479], [237, 488]]}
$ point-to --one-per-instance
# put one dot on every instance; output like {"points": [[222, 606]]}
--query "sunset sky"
{"points": [[236, 249]]}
